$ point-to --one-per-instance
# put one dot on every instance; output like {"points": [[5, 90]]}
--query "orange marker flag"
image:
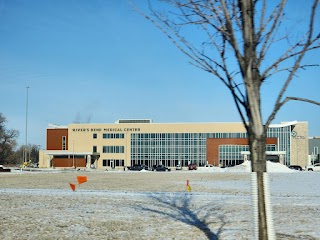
{"points": [[82, 179], [73, 186]]}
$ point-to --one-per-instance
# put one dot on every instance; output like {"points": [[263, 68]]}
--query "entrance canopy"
{"points": [[267, 152], [63, 153], [67, 159]]}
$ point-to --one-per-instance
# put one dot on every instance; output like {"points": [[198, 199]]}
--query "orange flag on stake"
{"points": [[82, 179], [188, 186], [73, 186]]}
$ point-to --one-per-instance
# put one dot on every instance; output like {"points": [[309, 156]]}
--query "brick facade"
{"points": [[214, 143]]}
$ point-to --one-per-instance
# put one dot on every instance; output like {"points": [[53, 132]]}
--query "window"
{"points": [[94, 149], [315, 150], [94, 135], [119, 162], [270, 147], [104, 162], [64, 143]]}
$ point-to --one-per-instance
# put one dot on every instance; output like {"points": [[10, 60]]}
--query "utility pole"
{"points": [[26, 145], [73, 153]]}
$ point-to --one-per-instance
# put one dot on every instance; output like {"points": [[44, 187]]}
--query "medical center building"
{"points": [[141, 141]]}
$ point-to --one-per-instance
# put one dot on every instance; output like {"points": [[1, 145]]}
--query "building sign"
{"points": [[106, 129], [295, 135]]}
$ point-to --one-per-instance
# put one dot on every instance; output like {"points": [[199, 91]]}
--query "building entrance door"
{"points": [[112, 164]]}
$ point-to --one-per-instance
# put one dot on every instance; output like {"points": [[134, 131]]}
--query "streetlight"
{"points": [[73, 153], [25, 148]]}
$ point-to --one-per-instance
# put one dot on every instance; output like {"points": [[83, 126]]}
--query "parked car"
{"points": [[192, 166], [161, 168], [138, 167], [178, 167], [208, 165], [315, 167], [226, 166], [295, 167], [4, 169], [35, 165]]}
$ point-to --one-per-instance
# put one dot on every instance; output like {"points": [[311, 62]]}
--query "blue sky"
{"points": [[99, 61]]}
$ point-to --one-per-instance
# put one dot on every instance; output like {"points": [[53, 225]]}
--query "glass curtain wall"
{"points": [[284, 136], [171, 149], [230, 155]]}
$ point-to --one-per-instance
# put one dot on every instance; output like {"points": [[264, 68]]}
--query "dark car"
{"points": [[138, 167], [227, 166], [160, 168], [295, 167], [192, 166]]}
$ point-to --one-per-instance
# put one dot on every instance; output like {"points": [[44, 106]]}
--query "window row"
{"points": [[271, 147], [113, 135], [169, 142], [113, 149], [238, 148], [187, 135], [168, 150], [113, 163], [109, 135], [64, 143], [167, 155], [168, 163], [233, 148]]}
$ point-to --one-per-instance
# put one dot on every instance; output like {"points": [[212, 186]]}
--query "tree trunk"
{"points": [[258, 164], [258, 154]]}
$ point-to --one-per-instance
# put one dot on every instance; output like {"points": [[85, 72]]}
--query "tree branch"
{"points": [[296, 66]]}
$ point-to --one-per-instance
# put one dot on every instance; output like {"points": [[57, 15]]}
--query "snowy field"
{"points": [[155, 205]]}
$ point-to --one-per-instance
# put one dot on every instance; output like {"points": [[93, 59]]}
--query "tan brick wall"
{"points": [[299, 144]]}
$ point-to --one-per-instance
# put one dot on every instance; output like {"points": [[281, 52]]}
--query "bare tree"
{"points": [[7, 140], [236, 38], [32, 152]]}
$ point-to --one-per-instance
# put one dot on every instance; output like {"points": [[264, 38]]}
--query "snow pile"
{"points": [[278, 167], [246, 167]]}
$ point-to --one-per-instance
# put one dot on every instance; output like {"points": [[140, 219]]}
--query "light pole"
{"points": [[25, 148], [73, 153]]}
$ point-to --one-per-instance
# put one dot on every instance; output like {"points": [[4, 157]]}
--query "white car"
{"points": [[315, 167]]}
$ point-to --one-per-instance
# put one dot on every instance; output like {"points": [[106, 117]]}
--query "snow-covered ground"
{"points": [[152, 205]]}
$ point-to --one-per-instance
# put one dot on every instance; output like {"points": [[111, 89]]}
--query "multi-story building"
{"points": [[128, 142], [314, 146]]}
